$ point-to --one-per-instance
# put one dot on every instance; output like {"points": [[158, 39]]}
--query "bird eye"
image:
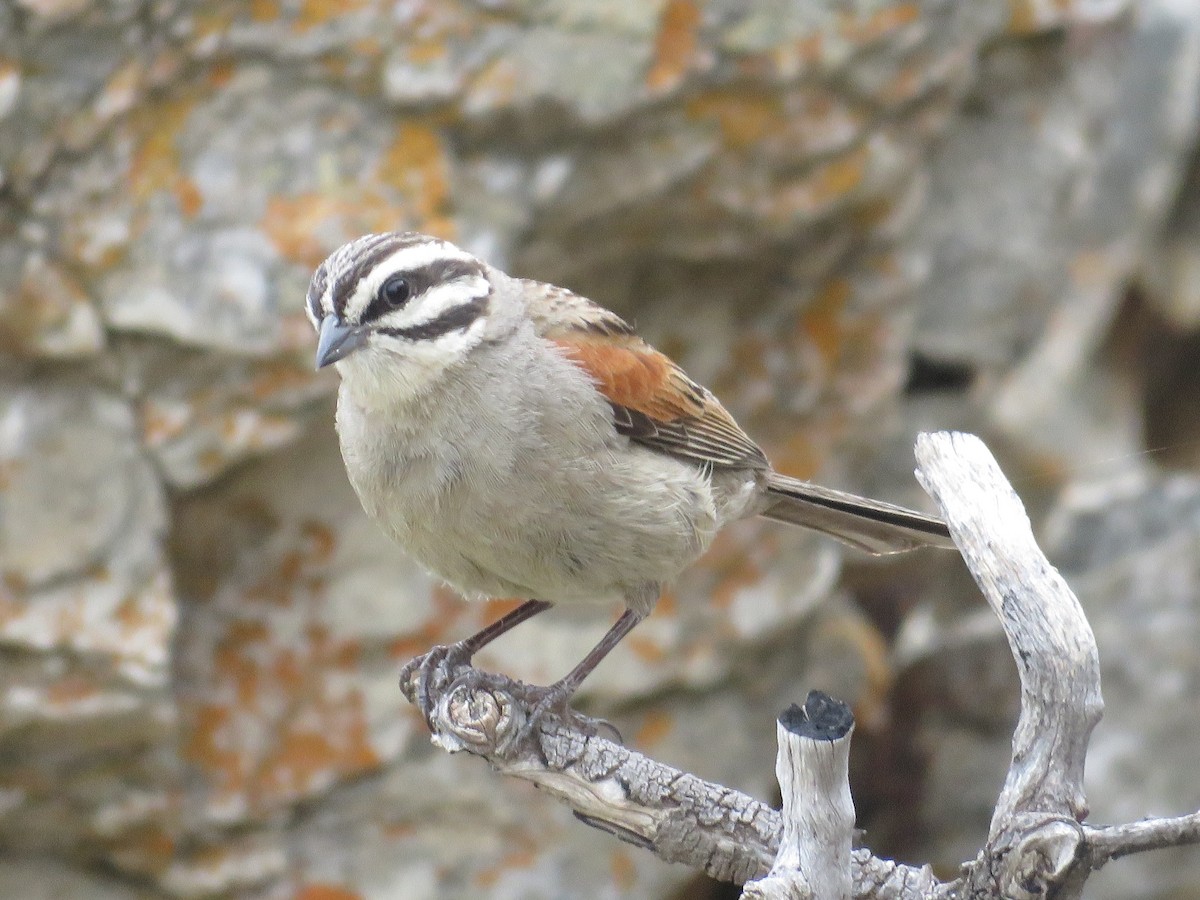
{"points": [[395, 291]]}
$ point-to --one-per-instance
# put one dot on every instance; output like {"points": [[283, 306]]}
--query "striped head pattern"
{"points": [[400, 293]]}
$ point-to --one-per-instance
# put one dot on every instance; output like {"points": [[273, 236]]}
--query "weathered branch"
{"points": [[1106, 842], [1036, 845], [1034, 835], [813, 768], [679, 817]]}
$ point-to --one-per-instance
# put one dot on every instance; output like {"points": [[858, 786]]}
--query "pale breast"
{"points": [[518, 485]]}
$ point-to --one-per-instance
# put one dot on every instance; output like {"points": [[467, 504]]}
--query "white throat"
{"points": [[388, 373]]}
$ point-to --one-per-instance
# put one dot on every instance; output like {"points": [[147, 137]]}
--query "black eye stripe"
{"points": [[459, 318], [422, 279]]}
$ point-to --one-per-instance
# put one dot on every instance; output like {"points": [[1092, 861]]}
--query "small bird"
{"points": [[519, 440]]}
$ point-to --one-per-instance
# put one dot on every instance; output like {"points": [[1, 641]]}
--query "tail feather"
{"points": [[869, 525]]}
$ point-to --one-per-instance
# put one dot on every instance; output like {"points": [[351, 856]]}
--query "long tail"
{"points": [[869, 525]]}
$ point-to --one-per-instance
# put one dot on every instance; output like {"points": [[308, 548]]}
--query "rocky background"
{"points": [[854, 219]]}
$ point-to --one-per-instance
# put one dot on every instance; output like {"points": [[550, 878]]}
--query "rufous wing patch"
{"points": [[654, 401], [632, 374]]}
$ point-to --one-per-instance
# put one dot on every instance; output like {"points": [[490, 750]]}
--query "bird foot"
{"points": [[425, 678], [447, 668], [545, 705]]}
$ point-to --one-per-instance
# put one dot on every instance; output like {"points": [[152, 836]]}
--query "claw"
{"points": [[432, 672], [553, 702]]}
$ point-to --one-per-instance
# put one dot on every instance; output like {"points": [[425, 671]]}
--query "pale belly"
{"points": [[553, 506], [613, 529]]}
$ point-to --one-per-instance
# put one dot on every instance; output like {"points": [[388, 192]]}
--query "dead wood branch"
{"points": [[1037, 844]]}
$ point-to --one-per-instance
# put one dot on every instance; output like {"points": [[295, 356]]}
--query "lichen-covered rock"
{"points": [[852, 220]]}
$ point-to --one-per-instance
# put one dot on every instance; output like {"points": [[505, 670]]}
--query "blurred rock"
{"points": [[1128, 547], [850, 221], [1170, 274], [51, 881]]}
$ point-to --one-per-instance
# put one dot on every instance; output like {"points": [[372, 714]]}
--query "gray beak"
{"points": [[338, 340]]}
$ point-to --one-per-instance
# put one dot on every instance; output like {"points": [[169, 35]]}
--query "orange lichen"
{"points": [[320, 540], [624, 873], [520, 857], [318, 12], [841, 176], [188, 195], [416, 164], [291, 222], [499, 606], [131, 613], [323, 891], [822, 321], [668, 603], [221, 72], [733, 568], [871, 215], [264, 10], [797, 455], [657, 725], [206, 745], [1022, 17], [423, 52], [870, 28], [1034, 16], [122, 90], [70, 690], [147, 850], [315, 734], [790, 59], [280, 377], [309, 758], [155, 163], [646, 649], [675, 46], [495, 86], [814, 193], [448, 609], [46, 298], [744, 118], [211, 19]]}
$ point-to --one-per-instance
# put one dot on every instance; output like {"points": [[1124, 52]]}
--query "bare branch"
{"points": [[813, 768], [1034, 833], [1106, 842], [679, 817], [1047, 630]]}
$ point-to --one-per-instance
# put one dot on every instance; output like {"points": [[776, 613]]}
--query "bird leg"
{"points": [[441, 661], [556, 697], [506, 623], [439, 668]]}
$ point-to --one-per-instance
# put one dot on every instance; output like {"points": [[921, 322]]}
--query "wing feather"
{"points": [[653, 400]]}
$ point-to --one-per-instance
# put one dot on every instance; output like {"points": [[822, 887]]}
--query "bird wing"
{"points": [[653, 400]]}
